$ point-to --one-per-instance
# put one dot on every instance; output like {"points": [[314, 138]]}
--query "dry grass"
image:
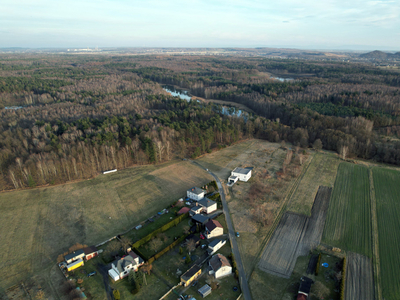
{"points": [[264, 191], [321, 171], [38, 224]]}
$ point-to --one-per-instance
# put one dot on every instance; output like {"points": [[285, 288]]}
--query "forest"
{"points": [[69, 117]]}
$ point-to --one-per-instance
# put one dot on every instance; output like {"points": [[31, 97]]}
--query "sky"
{"points": [[306, 24]]}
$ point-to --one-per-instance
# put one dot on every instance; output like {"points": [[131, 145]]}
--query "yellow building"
{"points": [[74, 265], [190, 275]]}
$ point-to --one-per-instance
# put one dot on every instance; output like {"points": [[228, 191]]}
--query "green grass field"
{"points": [[387, 193], [348, 223], [321, 171], [37, 225]]}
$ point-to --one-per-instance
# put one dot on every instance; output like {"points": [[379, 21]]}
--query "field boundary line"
{"points": [[279, 216], [375, 238]]}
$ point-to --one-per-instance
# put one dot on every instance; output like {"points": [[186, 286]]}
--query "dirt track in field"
{"points": [[295, 236], [359, 277]]}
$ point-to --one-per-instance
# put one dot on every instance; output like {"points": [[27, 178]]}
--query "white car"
{"points": [[187, 203]]}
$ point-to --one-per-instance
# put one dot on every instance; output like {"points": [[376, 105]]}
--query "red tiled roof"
{"points": [[183, 210], [211, 225]]}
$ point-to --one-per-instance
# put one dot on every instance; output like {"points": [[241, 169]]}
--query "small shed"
{"points": [[90, 252], [205, 290]]}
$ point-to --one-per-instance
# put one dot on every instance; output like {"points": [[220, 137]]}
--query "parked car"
{"points": [[203, 246], [91, 274], [202, 236], [195, 283], [187, 203], [237, 234]]}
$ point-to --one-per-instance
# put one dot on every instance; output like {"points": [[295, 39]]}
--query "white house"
{"points": [[195, 193], [242, 174], [121, 268], [208, 205], [220, 266], [213, 229], [195, 210], [215, 245]]}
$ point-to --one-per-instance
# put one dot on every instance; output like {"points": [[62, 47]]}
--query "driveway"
{"points": [[232, 236]]}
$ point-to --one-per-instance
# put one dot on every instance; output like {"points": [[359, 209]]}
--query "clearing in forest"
{"points": [[36, 225], [387, 192], [348, 224], [321, 171]]}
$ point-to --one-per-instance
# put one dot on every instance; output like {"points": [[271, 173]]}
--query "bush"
{"points": [[318, 263], [343, 283], [116, 294], [188, 260]]}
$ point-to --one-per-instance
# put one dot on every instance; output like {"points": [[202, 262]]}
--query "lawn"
{"points": [[348, 223], [387, 191], [321, 171], [36, 225]]}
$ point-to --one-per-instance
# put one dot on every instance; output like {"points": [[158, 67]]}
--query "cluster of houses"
{"points": [[219, 265]]}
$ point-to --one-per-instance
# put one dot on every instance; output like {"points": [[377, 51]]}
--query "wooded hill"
{"points": [[86, 114]]}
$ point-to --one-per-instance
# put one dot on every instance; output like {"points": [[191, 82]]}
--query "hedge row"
{"points": [[343, 283], [163, 228], [211, 183], [216, 197], [166, 249], [318, 263]]}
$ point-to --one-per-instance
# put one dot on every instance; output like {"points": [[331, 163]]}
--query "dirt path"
{"points": [[359, 277], [375, 240]]}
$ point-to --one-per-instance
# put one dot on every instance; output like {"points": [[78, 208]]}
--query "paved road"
{"points": [[232, 236]]}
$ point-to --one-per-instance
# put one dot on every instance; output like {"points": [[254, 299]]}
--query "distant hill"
{"points": [[380, 55]]}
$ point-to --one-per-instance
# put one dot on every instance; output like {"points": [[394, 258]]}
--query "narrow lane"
{"points": [[232, 237]]}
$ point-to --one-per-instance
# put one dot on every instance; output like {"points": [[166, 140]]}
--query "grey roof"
{"points": [[200, 218], [214, 243], [196, 190], [204, 289], [123, 263], [244, 171], [74, 254], [189, 273], [206, 202]]}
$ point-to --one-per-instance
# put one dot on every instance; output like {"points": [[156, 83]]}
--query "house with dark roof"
{"points": [[78, 254], [208, 205], [215, 245], [213, 229], [190, 275], [121, 268], [242, 174], [220, 266], [200, 219], [90, 252], [305, 287], [195, 193]]}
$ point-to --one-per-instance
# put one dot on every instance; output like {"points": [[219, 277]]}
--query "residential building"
{"points": [[196, 210], [75, 264], [200, 219], [78, 254], [215, 245], [243, 174], [90, 252], [208, 205], [220, 266], [121, 268], [190, 275], [213, 229], [195, 193]]}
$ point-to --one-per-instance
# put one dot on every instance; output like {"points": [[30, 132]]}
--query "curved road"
{"points": [[232, 236]]}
